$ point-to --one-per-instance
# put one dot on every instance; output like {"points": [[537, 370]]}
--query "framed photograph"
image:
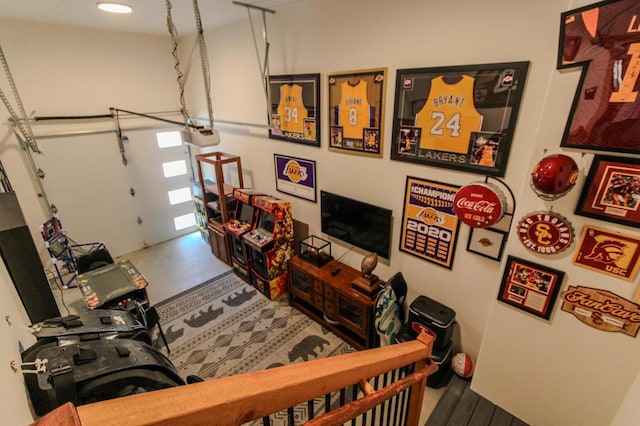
{"points": [[611, 191], [603, 115], [356, 111], [429, 224], [295, 108], [529, 286], [487, 242], [460, 117], [295, 176], [612, 253]]}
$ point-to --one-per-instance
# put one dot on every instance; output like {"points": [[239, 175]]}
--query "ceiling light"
{"points": [[115, 7]]}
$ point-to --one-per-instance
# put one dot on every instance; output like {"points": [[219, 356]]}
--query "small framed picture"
{"points": [[356, 111], [487, 242], [611, 191], [295, 108], [529, 286]]}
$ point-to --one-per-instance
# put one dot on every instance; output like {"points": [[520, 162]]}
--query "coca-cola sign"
{"points": [[479, 205]]}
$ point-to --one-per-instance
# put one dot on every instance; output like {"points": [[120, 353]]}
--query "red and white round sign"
{"points": [[480, 204], [545, 232]]}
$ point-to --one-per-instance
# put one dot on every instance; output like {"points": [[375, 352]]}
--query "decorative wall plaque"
{"points": [[479, 204], [602, 309], [545, 232], [609, 252]]}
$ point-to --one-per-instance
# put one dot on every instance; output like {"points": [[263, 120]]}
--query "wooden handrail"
{"points": [[242, 398], [355, 408]]}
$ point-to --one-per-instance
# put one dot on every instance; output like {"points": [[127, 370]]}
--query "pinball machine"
{"points": [[270, 245]]}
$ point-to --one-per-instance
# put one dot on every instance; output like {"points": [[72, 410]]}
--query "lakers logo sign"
{"points": [[294, 171], [545, 232]]}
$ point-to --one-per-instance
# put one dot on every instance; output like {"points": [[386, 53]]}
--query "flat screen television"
{"points": [[364, 225]]}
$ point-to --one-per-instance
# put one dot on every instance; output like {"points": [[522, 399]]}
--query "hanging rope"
{"points": [[204, 59], [22, 121], [173, 31]]}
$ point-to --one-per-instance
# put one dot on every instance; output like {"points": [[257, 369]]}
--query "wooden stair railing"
{"points": [[235, 400]]}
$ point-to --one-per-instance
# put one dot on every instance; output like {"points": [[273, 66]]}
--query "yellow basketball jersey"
{"points": [[353, 110], [291, 108], [449, 116]]}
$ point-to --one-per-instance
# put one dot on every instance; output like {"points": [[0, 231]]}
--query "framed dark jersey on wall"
{"points": [[603, 40], [460, 117]]}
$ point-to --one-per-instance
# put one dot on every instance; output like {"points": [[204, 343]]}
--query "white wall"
{"points": [[546, 372], [68, 71]]}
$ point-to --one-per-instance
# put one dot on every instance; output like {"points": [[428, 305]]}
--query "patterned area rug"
{"points": [[226, 327]]}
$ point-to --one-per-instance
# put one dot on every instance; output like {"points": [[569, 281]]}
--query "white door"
{"points": [[85, 178]]}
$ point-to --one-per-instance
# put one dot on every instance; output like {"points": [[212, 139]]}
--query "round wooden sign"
{"points": [[479, 204], [545, 232]]}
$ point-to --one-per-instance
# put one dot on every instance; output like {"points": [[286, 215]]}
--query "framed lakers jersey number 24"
{"points": [[356, 107], [295, 108], [460, 117]]}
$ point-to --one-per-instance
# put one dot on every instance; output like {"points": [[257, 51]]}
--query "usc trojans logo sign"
{"points": [[545, 232], [608, 252]]}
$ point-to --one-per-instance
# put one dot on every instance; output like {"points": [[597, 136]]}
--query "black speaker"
{"points": [[23, 262]]}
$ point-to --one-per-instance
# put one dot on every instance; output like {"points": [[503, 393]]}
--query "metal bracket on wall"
{"points": [[264, 64]]}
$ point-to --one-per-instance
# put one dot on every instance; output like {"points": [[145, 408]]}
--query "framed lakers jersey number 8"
{"points": [[460, 117], [295, 108], [356, 107]]}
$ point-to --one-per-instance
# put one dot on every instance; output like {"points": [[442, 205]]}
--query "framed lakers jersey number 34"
{"points": [[356, 108], [460, 117], [295, 108]]}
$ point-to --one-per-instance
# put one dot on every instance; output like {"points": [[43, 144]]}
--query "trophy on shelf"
{"points": [[368, 283]]}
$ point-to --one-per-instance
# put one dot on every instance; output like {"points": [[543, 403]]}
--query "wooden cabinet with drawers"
{"points": [[330, 300]]}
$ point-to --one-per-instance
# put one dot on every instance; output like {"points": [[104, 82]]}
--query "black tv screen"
{"points": [[244, 212], [267, 221], [361, 224]]}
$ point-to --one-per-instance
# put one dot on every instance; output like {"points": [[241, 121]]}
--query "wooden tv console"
{"points": [[329, 298]]}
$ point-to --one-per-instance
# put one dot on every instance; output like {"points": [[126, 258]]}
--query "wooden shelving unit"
{"points": [[330, 299], [217, 196]]}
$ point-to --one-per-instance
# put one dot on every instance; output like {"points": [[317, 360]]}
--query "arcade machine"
{"points": [[243, 220], [270, 245]]}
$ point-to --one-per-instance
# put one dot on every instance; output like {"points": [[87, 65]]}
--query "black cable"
{"points": [[345, 253]]}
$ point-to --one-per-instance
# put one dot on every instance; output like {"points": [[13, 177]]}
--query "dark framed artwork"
{"points": [[429, 223], [356, 111], [460, 117], [611, 191], [487, 242], [600, 39], [295, 108], [295, 176], [529, 286]]}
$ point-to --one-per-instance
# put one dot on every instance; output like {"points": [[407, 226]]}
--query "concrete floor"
{"points": [[177, 265]]}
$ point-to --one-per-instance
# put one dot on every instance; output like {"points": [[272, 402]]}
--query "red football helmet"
{"points": [[554, 176]]}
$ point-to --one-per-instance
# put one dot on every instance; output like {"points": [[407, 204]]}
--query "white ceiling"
{"points": [[149, 16]]}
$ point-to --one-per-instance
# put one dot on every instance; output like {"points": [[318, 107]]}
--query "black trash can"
{"points": [[426, 312], [441, 357]]}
